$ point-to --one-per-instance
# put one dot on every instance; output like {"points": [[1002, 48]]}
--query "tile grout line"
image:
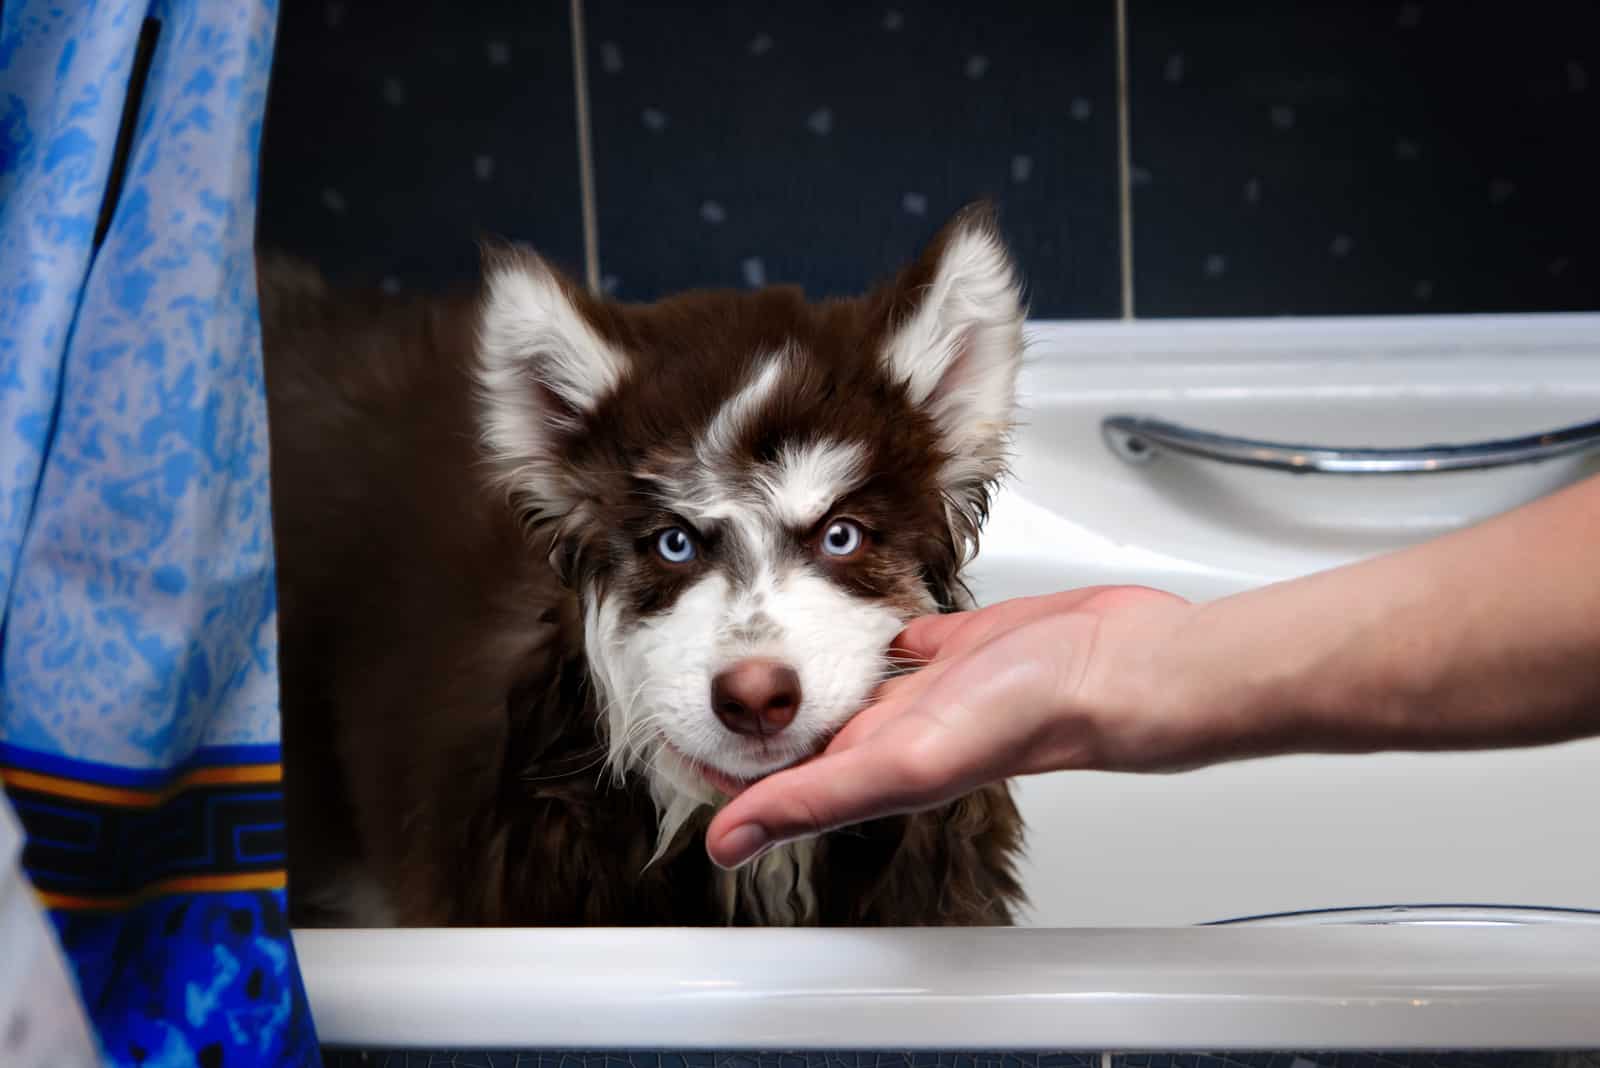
{"points": [[1124, 168], [586, 193]]}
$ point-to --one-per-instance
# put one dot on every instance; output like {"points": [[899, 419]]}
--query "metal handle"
{"points": [[1137, 439]]}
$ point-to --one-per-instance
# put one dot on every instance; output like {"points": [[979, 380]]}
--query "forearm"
{"points": [[1486, 637]]}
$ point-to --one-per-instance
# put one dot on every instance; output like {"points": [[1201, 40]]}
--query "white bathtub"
{"points": [[1120, 867]]}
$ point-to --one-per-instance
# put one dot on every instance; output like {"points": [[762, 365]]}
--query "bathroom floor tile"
{"points": [[350, 1058], [1356, 1060]]}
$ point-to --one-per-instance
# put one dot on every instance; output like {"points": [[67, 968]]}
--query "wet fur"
{"points": [[443, 743]]}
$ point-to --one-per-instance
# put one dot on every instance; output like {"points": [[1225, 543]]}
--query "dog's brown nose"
{"points": [[756, 696]]}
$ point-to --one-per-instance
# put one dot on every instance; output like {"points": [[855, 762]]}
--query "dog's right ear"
{"points": [[955, 343], [542, 368]]}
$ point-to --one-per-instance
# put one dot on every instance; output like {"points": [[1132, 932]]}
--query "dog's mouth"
{"points": [[719, 780], [726, 783]]}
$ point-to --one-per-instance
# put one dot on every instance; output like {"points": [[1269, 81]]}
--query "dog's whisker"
{"points": [[598, 757]]}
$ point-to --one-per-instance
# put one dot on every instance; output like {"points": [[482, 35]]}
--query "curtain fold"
{"points": [[138, 672]]}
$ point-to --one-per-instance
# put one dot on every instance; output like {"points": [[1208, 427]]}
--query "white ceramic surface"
{"points": [[1385, 988], [1508, 828], [1076, 514]]}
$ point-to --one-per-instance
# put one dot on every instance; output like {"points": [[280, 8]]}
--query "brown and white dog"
{"points": [[558, 573]]}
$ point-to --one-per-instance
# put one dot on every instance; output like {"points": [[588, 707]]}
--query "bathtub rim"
{"points": [[1520, 986]]}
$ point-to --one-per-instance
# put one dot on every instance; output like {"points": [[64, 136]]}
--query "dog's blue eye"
{"points": [[842, 538], [675, 546]]}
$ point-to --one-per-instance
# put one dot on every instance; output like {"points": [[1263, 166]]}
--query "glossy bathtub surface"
{"points": [[1319, 987], [1302, 833], [1075, 513]]}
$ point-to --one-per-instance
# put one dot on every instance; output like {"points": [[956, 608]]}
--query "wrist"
{"points": [[1253, 675], [1153, 695], [1232, 690], [1330, 663]]}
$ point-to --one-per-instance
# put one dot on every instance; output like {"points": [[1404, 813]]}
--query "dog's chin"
{"points": [[709, 783]]}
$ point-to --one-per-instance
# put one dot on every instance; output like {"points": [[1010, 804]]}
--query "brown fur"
{"points": [[439, 725]]}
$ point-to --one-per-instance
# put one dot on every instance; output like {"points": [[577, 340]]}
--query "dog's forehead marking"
{"points": [[722, 433], [807, 479], [756, 511], [717, 483], [755, 506]]}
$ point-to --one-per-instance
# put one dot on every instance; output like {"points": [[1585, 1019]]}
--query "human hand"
{"points": [[1483, 638], [1025, 686]]}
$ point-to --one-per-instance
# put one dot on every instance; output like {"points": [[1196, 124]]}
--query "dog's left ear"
{"points": [[955, 343]]}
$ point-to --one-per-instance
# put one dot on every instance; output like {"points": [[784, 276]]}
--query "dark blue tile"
{"points": [[750, 141], [348, 1058], [399, 134], [1330, 158], [378, 1058], [1355, 1060]]}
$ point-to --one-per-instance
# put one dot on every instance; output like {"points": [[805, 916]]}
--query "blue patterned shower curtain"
{"points": [[138, 687]]}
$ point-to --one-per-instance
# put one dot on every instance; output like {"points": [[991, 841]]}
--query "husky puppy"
{"points": [[558, 574]]}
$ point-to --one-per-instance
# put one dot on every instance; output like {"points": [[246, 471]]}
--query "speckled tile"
{"points": [[1400, 157], [750, 141], [347, 1058], [398, 134], [1356, 1060]]}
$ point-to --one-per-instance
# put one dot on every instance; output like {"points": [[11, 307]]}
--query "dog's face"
{"points": [[751, 494]]}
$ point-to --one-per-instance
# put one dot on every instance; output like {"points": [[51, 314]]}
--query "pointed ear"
{"points": [[956, 345], [541, 365]]}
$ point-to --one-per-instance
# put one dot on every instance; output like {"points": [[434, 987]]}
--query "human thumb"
{"points": [[834, 790]]}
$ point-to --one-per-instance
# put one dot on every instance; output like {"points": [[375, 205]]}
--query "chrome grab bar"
{"points": [[1138, 439]]}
